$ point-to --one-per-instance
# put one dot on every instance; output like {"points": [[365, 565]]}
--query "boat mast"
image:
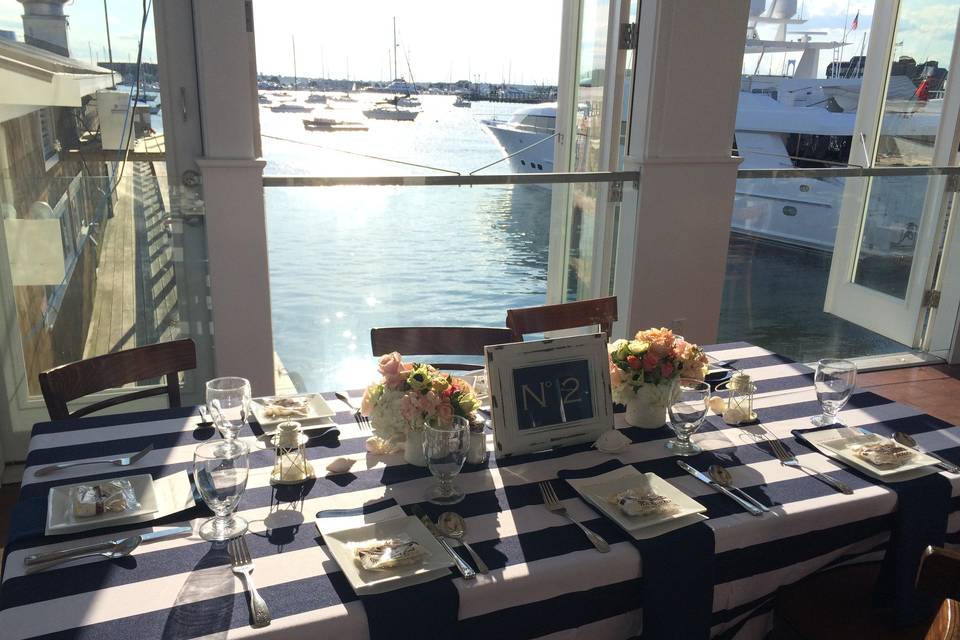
{"points": [[394, 47], [293, 41]]}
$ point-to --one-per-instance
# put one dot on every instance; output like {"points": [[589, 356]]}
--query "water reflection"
{"points": [[346, 259]]}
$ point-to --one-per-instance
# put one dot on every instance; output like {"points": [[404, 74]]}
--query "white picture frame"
{"points": [[546, 394]]}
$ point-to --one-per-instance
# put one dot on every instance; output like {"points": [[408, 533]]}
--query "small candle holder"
{"points": [[292, 466], [739, 408]]}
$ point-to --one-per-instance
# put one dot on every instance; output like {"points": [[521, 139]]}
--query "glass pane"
{"points": [[337, 98], [914, 100], [888, 238], [346, 259], [778, 266], [95, 264], [99, 254]]}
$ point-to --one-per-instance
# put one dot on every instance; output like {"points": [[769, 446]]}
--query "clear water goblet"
{"points": [[687, 410], [228, 400], [834, 382], [220, 470], [445, 449]]}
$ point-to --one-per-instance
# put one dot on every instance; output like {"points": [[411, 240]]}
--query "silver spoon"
{"points": [[453, 526], [121, 550], [908, 441], [721, 476]]}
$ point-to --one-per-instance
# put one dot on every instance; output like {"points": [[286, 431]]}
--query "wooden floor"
{"points": [[932, 389], [135, 298]]}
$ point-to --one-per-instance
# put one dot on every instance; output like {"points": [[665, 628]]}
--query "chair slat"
{"points": [[600, 312], [431, 341]]}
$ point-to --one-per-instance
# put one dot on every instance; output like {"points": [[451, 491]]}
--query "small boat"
{"points": [[264, 99], [317, 98], [389, 111], [290, 107], [407, 101], [281, 94], [344, 98], [329, 124], [462, 102]]}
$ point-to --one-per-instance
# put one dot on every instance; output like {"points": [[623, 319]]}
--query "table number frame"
{"points": [[549, 393]]}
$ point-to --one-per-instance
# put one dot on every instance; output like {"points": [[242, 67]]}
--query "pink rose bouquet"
{"points": [[410, 394], [654, 357]]}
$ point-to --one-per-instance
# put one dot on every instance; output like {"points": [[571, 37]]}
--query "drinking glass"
{"points": [[228, 400], [834, 382], [687, 410], [446, 449], [220, 470]]}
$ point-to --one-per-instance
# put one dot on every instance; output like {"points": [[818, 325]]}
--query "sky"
{"points": [[443, 40]]}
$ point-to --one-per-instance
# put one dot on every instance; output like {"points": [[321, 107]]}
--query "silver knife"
{"points": [[101, 547], [704, 478], [465, 569]]}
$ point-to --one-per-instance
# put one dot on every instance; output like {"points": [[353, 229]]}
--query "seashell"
{"points": [[378, 446], [612, 441], [717, 404], [340, 465]]}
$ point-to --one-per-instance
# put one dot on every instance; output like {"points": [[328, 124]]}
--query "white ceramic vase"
{"points": [[648, 408], [413, 448]]}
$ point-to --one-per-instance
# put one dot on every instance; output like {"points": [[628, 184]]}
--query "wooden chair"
{"points": [[569, 315], [68, 382], [939, 576], [838, 603], [431, 341]]}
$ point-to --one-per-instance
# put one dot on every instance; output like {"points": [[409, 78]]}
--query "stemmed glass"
{"points": [[220, 469], [687, 410], [446, 449], [834, 382], [228, 400]]}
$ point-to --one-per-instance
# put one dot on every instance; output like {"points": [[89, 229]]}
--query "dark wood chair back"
{"points": [[70, 381], [433, 341], [553, 317]]}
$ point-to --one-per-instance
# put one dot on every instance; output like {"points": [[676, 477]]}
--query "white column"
{"points": [[233, 194], [673, 248]]}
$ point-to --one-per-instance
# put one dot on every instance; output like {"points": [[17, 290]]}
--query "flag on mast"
{"points": [[856, 22]]}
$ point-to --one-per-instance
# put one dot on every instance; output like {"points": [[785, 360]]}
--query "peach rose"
{"points": [[366, 405], [650, 362], [392, 370], [616, 377]]}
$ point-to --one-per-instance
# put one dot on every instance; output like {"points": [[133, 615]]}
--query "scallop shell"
{"points": [[612, 441]]}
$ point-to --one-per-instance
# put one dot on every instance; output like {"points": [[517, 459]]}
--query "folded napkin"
{"points": [[923, 505], [425, 610], [678, 574]]}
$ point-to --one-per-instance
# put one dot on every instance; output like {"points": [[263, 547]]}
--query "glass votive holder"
{"points": [[291, 465]]}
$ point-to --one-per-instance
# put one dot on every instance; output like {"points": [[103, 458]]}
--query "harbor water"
{"points": [[345, 259]]}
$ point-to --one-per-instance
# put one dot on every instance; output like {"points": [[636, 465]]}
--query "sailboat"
{"points": [[391, 109], [292, 107]]}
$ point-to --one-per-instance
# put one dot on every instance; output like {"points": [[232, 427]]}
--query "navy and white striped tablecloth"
{"points": [[546, 579]]}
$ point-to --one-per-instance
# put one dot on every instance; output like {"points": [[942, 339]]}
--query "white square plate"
{"points": [[843, 448], [318, 411], [597, 494], [436, 564], [60, 517]]}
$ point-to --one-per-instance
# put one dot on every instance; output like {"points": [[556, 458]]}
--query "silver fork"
{"points": [[243, 565], [125, 461], [787, 459], [362, 421], [552, 503]]}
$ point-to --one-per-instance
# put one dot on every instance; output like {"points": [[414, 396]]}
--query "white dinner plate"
{"points": [[597, 495], [436, 564], [318, 411], [60, 517], [844, 449]]}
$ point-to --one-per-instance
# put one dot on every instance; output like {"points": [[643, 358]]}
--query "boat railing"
{"points": [[847, 172]]}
